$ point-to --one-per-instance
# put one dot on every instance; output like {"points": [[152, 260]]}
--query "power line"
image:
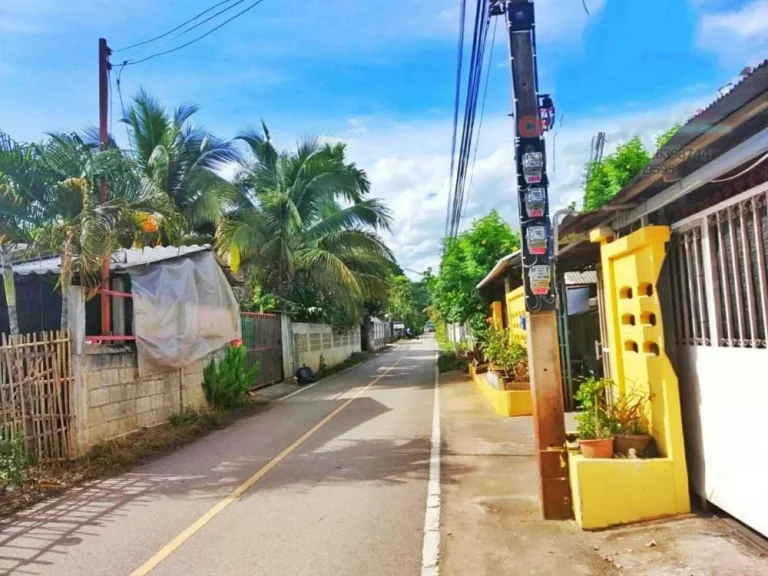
{"points": [[122, 106], [177, 27], [208, 33], [457, 99], [482, 114]]}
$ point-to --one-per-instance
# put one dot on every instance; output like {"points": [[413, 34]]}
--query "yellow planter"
{"points": [[612, 491], [504, 402]]}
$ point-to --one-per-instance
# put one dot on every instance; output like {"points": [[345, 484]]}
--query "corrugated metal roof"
{"points": [[580, 278], [499, 268], [121, 260], [750, 87]]}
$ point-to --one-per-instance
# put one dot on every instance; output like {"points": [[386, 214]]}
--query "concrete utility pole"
{"points": [[534, 113], [104, 52]]}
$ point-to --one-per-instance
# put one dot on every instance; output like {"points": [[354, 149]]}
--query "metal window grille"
{"points": [[688, 288], [738, 240]]}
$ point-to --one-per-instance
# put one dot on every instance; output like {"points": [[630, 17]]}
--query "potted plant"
{"points": [[595, 425], [508, 359], [629, 413]]}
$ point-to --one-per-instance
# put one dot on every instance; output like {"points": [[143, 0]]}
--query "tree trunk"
{"points": [[10, 290]]}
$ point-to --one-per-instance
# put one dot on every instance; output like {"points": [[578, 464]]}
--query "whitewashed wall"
{"points": [[724, 400], [311, 341]]}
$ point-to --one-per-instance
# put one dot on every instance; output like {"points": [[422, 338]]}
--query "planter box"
{"points": [[504, 402], [613, 491]]}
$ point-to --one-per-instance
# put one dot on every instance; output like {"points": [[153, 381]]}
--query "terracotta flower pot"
{"points": [[599, 448], [623, 442]]}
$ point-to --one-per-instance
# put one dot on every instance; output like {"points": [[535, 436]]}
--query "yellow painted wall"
{"points": [[516, 310], [504, 402], [631, 269], [496, 315], [608, 492]]}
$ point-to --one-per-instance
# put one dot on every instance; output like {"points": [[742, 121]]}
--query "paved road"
{"points": [[347, 500]]}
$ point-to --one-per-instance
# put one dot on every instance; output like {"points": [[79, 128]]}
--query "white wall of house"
{"points": [[725, 398], [313, 341], [718, 269]]}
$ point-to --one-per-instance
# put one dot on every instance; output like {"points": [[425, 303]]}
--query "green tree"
{"points": [[466, 260], [406, 302], [182, 160], [303, 220], [614, 172], [662, 139]]}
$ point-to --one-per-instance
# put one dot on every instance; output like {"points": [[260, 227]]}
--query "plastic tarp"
{"points": [[183, 310]]}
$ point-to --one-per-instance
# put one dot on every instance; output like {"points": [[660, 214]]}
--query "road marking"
{"points": [[174, 544], [430, 552]]}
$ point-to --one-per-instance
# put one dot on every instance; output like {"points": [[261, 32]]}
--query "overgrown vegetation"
{"points": [[448, 361], [465, 261], [605, 178], [14, 461], [506, 354], [226, 383]]}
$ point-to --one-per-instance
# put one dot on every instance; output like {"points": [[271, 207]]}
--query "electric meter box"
{"points": [[535, 201], [533, 166], [536, 238], [540, 279]]}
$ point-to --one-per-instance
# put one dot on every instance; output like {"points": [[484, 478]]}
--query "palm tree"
{"points": [[17, 182], [305, 216], [182, 160]]}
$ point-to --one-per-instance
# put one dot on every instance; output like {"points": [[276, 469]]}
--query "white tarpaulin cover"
{"points": [[183, 310]]}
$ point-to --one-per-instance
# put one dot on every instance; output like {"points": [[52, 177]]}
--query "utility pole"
{"points": [[534, 114], [104, 52]]}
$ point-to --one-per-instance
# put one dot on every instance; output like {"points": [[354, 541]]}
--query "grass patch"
{"points": [[447, 361], [113, 457]]}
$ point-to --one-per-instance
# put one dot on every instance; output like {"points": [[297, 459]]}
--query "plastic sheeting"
{"points": [[183, 311]]}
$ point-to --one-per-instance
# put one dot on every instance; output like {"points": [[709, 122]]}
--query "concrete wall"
{"points": [[116, 401], [311, 341], [724, 398]]}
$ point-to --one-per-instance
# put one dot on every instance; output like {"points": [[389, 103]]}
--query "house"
{"points": [[680, 308]]}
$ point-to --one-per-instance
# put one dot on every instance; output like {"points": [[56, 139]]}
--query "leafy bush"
{"points": [[14, 461], [447, 361], [595, 419], [227, 383], [506, 353]]}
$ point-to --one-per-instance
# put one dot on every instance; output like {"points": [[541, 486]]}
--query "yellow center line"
{"points": [[174, 544]]}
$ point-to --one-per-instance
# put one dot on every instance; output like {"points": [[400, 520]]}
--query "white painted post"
{"points": [[76, 324], [286, 337], [118, 306]]}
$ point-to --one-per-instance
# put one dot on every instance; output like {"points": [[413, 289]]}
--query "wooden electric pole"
{"points": [[534, 113], [104, 52]]}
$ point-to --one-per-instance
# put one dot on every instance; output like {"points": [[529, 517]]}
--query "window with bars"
{"points": [[688, 288], [738, 239]]}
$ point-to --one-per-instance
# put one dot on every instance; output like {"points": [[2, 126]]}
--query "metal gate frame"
{"points": [[263, 345]]}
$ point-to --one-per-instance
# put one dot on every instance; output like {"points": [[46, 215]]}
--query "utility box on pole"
{"points": [[537, 255]]}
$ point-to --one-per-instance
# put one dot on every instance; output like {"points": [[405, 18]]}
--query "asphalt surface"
{"points": [[348, 500]]}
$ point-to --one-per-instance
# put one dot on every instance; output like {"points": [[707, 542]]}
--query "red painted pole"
{"points": [[106, 313]]}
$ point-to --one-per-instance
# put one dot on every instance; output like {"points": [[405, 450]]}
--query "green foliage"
{"points": [[465, 262], [595, 419], [14, 461], [614, 172], [304, 218], [662, 139], [506, 353], [227, 383], [448, 361], [406, 301]]}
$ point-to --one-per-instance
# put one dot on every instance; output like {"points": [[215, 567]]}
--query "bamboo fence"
{"points": [[36, 393]]}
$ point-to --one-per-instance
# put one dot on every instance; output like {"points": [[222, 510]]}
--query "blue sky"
{"points": [[380, 75]]}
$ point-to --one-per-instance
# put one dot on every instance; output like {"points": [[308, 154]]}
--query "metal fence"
{"points": [[263, 344]]}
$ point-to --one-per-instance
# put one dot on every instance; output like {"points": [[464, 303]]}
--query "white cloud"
{"points": [[408, 165], [739, 37]]}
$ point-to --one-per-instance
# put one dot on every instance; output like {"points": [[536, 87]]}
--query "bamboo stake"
{"points": [[58, 389]]}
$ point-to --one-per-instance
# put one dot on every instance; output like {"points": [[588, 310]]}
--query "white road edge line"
{"points": [[300, 390], [430, 552]]}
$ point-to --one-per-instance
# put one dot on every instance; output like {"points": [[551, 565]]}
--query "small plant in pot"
{"points": [[508, 358], [595, 425], [629, 413]]}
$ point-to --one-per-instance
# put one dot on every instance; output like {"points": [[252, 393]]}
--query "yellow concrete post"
{"points": [[497, 316]]}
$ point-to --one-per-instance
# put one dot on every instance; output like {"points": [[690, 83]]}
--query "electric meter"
{"points": [[537, 239], [540, 279], [533, 166], [535, 201]]}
